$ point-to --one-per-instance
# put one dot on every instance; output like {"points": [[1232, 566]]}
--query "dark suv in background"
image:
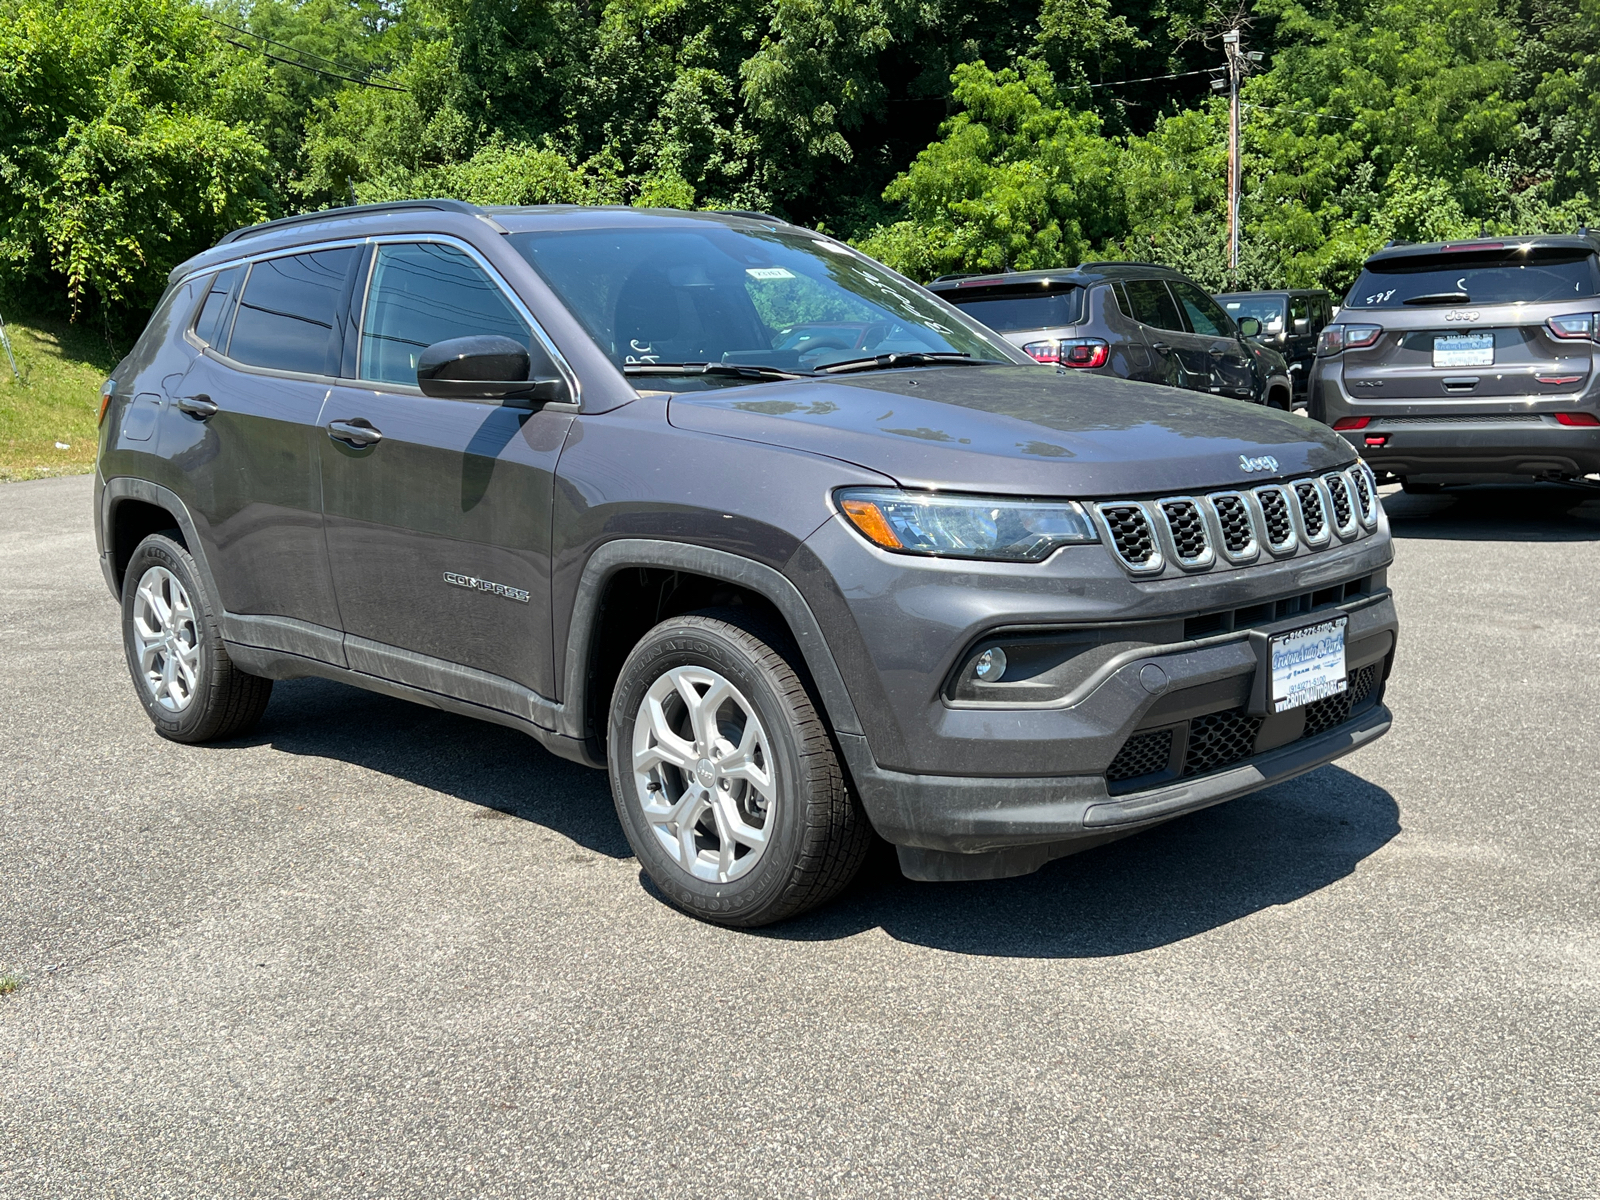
{"points": [[1291, 320], [1474, 360], [793, 549], [1133, 320]]}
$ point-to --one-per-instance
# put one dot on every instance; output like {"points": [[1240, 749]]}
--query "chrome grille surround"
{"points": [[1277, 513], [1366, 496], [1341, 495], [1130, 532], [1234, 516], [1188, 532], [1311, 510]]}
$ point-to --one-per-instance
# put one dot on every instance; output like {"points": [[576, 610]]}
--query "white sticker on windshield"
{"points": [[768, 273]]}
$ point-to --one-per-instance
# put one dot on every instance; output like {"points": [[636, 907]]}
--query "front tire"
{"points": [[181, 670], [725, 777]]}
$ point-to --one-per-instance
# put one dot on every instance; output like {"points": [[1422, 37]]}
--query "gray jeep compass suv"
{"points": [[794, 550], [1460, 361], [1134, 320]]}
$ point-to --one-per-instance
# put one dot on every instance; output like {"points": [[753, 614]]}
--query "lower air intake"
{"points": [[1142, 754], [1219, 740]]}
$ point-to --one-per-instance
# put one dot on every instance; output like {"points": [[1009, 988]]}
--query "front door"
{"points": [[1214, 348], [438, 511], [248, 468]]}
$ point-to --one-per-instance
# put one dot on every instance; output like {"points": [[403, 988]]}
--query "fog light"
{"points": [[990, 665]]}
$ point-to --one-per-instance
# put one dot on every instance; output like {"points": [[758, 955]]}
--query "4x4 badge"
{"points": [[1264, 463]]}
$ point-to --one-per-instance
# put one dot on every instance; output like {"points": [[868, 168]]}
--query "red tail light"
{"points": [[1352, 422], [1583, 419], [1083, 354], [1045, 352], [1572, 326], [1335, 338]]}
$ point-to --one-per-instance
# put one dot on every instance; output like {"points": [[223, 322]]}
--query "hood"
{"points": [[1019, 431]]}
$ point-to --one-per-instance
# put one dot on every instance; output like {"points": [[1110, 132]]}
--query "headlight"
{"points": [[990, 527]]}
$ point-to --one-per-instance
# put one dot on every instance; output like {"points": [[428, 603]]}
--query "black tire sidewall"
{"points": [[679, 644], [161, 551]]}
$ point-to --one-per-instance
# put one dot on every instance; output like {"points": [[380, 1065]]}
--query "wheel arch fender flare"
{"points": [[771, 584], [129, 488]]}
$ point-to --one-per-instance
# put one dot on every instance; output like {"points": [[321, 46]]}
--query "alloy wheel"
{"points": [[166, 639], [704, 774]]}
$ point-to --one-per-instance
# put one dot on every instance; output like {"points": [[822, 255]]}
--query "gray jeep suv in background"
{"points": [[794, 550], [1461, 361], [1133, 320]]}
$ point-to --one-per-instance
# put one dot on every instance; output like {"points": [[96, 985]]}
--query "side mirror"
{"points": [[1249, 327], [486, 367]]}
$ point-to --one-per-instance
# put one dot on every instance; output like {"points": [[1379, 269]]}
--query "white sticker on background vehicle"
{"points": [[769, 273]]}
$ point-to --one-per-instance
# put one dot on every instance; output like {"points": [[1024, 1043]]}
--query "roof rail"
{"points": [[1114, 262], [351, 210], [745, 212], [967, 275], [1397, 242]]}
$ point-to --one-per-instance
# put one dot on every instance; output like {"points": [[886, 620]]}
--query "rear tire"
{"points": [[181, 670], [725, 776]]}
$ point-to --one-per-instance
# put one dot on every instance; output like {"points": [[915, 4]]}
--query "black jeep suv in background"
{"points": [[1133, 320], [793, 549], [1460, 361], [1291, 321]]}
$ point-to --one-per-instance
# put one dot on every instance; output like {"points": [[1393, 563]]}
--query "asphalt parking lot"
{"points": [[375, 950]]}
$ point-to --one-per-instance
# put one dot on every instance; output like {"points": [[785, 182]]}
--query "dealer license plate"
{"points": [[1307, 664], [1464, 350]]}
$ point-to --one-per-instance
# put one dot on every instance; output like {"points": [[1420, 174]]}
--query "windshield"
{"points": [[1476, 277], [653, 296], [1013, 313], [1266, 309]]}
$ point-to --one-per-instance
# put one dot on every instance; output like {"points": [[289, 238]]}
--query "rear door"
{"points": [[438, 516], [249, 469]]}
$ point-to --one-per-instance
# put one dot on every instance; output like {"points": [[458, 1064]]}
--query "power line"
{"points": [[362, 81], [332, 62], [1304, 112], [1078, 87]]}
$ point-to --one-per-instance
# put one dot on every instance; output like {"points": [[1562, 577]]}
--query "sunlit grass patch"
{"points": [[48, 418]]}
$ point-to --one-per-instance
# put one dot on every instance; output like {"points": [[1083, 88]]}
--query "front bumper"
{"points": [[1532, 446], [965, 829]]}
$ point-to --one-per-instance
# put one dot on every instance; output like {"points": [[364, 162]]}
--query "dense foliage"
{"points": [[940, 136]]}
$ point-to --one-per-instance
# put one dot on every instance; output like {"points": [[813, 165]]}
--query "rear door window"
{"points": [[287, 314], [427, 292], [1501, 276], [1013, 313], [1299, 314], [211, 326], [1205, 315], [1152, 304]]}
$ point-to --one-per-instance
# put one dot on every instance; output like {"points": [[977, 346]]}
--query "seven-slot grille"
{"points": [[1194, 530]]}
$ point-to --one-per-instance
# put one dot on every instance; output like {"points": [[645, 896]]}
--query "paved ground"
{"points": [[379, 951]]}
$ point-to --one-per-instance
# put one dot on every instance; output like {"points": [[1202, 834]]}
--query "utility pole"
{"points": [[1236, 69]]}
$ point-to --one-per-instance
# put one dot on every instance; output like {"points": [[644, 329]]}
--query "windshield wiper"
{"points": [[1440, 298], [738, 370], [914, 358]]}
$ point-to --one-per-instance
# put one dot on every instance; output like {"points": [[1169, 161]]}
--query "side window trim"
{"points": [[229, 302], [507, 292], [1185, 325]]}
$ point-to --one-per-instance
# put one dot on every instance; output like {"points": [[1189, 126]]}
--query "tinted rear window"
{"points": [[287, 313], [1012, 313], [1468, 277]]}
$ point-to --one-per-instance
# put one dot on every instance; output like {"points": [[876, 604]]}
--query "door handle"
{"points": [[199, 407], [356, 432], [1161, 347]]}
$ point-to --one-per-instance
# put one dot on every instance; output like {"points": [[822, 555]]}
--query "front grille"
{"points": [[1275, 508], [1238, 534], [1339, 493], [1323, 715], [1142, 754], [1130, 533], [1188, 530], [1364, 495], [1310, 509], [1219, 740]]}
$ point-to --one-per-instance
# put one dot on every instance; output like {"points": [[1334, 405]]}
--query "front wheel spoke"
{"points": [[667, 746], [731, 825], [750, 772], [725, 840]]}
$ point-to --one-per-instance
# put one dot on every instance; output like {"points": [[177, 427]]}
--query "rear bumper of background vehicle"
{"points": [[1479, 448], [960, 829]]}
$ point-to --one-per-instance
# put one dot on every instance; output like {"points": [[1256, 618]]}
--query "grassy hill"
{"points": [[56, 401]]}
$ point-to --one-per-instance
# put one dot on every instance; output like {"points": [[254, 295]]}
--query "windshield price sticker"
{"points": [[769, 273], [1464, 350], [1308, 664]]}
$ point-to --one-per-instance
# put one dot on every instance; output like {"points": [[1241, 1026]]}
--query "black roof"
{"points": [[1080, 276], [1585, 242]]}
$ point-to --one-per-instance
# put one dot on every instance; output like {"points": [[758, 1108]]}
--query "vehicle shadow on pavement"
{"points": [[1155, 888], [500, 769], [1540, 512]]}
